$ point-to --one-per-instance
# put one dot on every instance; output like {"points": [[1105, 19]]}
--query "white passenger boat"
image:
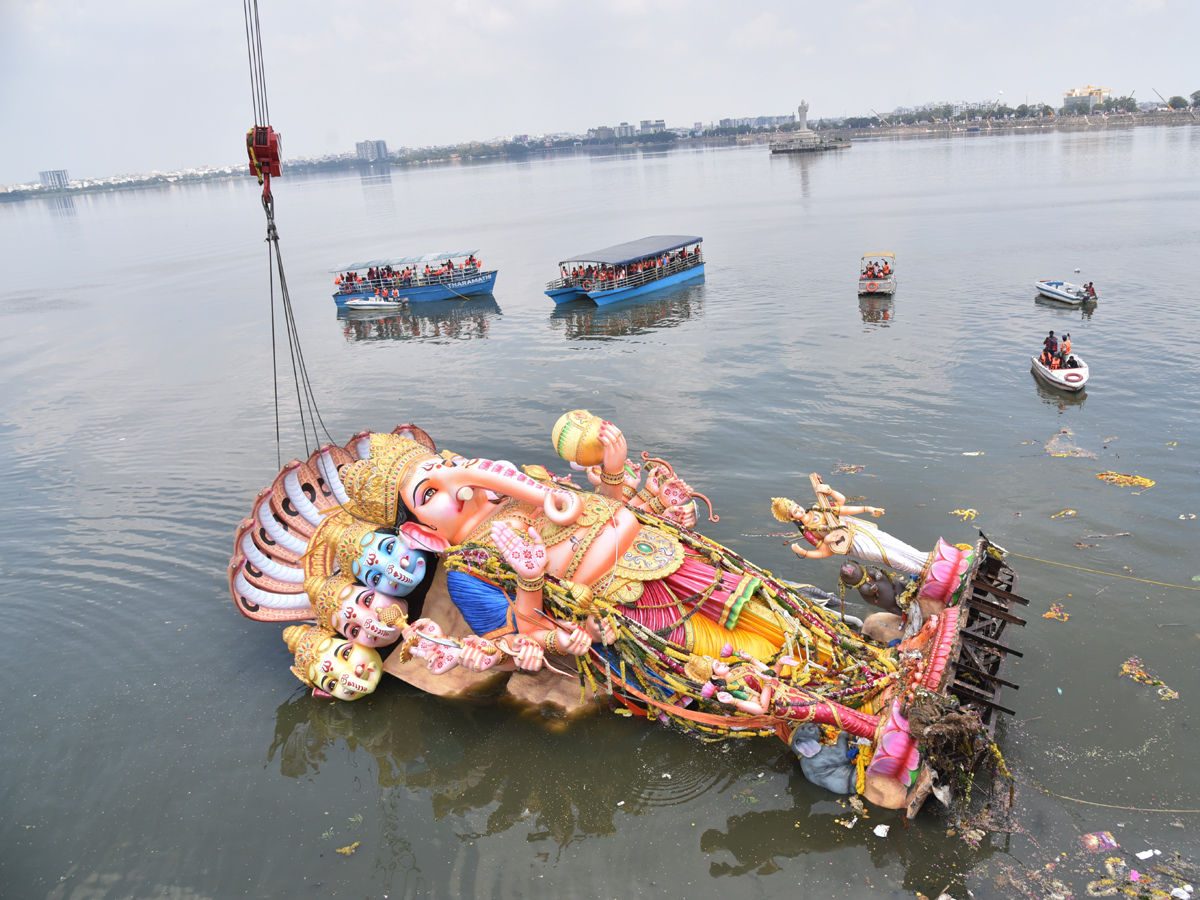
{"points": [[1071, 378], [1074, 294], [877, 273], [376, 302]]}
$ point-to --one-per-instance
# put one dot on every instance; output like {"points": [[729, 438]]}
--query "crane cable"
{"points": [[306, 401]]}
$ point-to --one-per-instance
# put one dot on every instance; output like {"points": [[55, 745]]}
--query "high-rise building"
{"points": [[54, 178], [1089, 96], [371, 150], [625, 130], [653, 126]]}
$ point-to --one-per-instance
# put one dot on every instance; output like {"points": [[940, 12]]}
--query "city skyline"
{"points": [[139, 87]]}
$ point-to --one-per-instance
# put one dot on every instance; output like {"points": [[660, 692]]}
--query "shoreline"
{"points": [[1121, 121]]}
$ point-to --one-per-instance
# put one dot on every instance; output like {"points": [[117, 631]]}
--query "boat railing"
{"points": [[414, 280], [629, 280]]}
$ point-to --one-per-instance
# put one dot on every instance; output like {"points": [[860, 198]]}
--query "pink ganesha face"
{"points": [[345, 670], [358, 616]]}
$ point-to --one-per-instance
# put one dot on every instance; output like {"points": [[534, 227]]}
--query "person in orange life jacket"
{"points": [[1049, 348], [1064, 349]]}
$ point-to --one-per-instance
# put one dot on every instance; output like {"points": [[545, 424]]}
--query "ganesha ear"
{"points": [[424, 539]]}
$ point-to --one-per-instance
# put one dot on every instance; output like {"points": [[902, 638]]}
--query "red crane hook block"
{"points": [[263, 147]]}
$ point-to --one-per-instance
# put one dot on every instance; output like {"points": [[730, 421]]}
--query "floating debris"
{"points": [[1022, 443], [1188, 516], [1063, 445], [847, 468], [1117, 534], [1134, 669], [348, 851], [1080, 545], [1056, 612], [974, 453], [882, 830], [848, 823], [965, 514], [1065, 512], [1126, 480], [856, 498], [1099, 840]]}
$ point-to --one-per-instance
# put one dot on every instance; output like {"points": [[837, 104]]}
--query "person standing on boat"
{"points": [[1064, 349], [1049, 348]]}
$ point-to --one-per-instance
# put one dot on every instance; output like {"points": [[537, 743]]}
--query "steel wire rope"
{"points": [[306, 401]]}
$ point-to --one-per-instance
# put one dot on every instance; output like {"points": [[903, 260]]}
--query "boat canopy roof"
{"points": [[886, 253], [619, 254], [405, 260]]}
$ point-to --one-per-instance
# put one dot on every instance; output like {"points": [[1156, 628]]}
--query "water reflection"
{"points": [[1064, 310], [378, 198], [61, 204], [438, 320], [462, 759], [876, 310], [581, 321], [757, 839], [1060, 399]]}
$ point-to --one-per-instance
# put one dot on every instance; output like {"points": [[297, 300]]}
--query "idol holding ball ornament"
{"points": [[614, 578]]}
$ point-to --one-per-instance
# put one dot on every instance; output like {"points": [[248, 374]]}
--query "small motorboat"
{"points": [[1072, 377], [871, 276], [1074, 294], [376, 302]]}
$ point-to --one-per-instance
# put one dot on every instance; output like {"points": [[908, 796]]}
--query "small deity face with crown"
{"points": [[388, 565], [367, 616], [343, 669]]}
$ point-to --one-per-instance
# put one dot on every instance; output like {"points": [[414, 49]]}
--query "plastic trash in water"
{"points": [[882, 830]]}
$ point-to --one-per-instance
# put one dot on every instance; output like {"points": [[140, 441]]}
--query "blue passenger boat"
{"points": [[628, 270], [417, 279]]}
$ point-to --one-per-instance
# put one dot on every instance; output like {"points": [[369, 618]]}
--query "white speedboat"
{"points": [[376, 303], [1070, 378], [1074, 294]]}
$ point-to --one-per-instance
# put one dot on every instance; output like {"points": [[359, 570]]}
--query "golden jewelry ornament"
{"points": [[534, 585], [614, 478], [550, 642]]}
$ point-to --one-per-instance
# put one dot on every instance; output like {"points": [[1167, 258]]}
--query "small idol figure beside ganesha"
{"points": [[614, 580]]}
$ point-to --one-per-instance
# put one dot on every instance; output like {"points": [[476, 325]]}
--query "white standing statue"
{"points": [[802, 115]]}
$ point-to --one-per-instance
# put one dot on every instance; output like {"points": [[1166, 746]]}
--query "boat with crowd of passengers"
{"points": [[628, 270], [877, 273], [415, 279]]}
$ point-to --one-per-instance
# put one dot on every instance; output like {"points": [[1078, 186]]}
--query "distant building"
{"points": [[625, 130], [653, 126], [601, 133], [371, 150], [1090, 95], [54, 178]]}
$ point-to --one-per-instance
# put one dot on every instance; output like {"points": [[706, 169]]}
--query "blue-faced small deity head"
{"points": [[387, 564]]}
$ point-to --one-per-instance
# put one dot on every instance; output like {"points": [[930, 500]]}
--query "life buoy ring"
{"points": [[1073, 377], [871, 287], [587, 285]]}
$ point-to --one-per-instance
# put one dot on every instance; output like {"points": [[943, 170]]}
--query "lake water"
{"points": [[158, 746]]}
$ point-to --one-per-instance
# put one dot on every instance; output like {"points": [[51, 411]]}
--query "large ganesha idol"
{"points": [[664, 620]]}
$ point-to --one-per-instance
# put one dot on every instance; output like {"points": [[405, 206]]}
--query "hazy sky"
{"points": [[122, 86]]}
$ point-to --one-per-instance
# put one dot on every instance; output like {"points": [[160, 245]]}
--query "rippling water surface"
{"points": [[156, 744]]}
